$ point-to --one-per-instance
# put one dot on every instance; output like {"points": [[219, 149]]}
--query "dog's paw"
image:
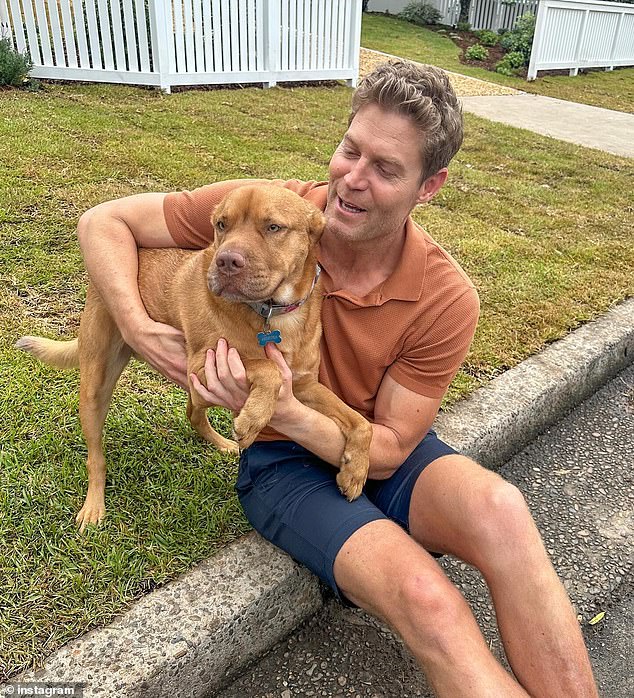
{"points": [[351, 481], [245, 431], [90, 513], [229, 446]]}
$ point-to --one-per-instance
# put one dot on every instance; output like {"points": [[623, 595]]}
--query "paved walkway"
{"points": [[612, 131]]}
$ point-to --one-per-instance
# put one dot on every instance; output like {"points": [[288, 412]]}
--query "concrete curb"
{"points": [[500, 418], [193, 635]]}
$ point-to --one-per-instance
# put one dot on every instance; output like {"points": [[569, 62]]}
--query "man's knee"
{"points": [[431, 606], [503, 526]]}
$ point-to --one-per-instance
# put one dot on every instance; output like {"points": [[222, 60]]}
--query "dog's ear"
{"points": [[316, 223]]}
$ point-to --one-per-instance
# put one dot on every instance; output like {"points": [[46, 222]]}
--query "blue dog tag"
{"points": [[265, 337]]}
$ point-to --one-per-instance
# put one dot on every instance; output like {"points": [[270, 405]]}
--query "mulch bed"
{"points": [[465, 39]]}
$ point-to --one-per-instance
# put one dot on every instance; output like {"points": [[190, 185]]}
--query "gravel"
{"points": [[463, 85]]}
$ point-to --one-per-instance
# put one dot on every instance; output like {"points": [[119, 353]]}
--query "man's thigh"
{"points": [[459, 507], [291, 498], [393, 496]]}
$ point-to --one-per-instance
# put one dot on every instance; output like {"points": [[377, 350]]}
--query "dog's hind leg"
{"points": [[102, 356], [198, 418]]}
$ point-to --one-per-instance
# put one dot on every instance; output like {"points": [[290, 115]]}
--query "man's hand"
{"points": [[286, 400], [226, 378], [163, 347], [227, 383]]}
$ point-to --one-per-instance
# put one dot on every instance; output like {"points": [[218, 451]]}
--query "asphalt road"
{"points": [[578, 479]]}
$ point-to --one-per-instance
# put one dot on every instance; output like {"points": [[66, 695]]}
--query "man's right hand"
{"points": [[163, 347]]}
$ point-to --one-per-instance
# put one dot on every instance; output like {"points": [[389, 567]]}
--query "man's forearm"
{"points": [[321, 435]]}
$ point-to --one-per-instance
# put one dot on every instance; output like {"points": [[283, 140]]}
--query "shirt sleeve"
{"points": [[429, 361]]}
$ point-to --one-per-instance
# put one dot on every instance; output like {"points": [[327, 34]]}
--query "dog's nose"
{"points": [[230, 262]]}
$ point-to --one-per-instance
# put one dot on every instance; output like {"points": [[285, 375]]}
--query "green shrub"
{"points": [[487, 37], [463, 27], [520, 38], [14, 66], [420, 13], [477, 52], [511, 64]]}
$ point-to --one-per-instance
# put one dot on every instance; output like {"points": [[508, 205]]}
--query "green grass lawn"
{"points": [[544, 228], [611, 90]]}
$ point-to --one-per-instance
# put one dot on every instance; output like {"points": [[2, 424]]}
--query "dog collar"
{"points": [[267, 309]]}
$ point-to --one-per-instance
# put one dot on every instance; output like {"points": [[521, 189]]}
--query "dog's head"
{"points": [[263, 244]]}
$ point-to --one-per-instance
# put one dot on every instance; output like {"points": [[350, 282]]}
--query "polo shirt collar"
{"points": [[405, 283]]}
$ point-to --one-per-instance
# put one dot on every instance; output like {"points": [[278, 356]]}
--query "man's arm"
{"points": [[109, 236], [402, 417], [401, 420]]}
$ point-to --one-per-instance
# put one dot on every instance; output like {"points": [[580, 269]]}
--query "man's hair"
{"points": [[424, 94]]}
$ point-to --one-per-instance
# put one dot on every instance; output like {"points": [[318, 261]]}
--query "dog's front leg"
{"points": [[355, 458], [265, 382]]}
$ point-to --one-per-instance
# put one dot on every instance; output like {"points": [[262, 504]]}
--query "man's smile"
{"points": [[348, 207]]}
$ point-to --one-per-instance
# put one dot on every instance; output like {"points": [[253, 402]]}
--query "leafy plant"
{"points": [[14, 66], [477, 52], [487, 37], [420, 13], [463, 27], [510, 64], [520, 38]]}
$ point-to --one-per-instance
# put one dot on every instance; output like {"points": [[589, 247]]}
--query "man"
{"points": [[399, 315]]}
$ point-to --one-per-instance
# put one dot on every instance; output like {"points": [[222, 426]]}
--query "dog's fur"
{"points": [[264, 248]]}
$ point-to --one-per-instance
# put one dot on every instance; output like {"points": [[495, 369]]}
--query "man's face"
{"points": [[374, 176]]}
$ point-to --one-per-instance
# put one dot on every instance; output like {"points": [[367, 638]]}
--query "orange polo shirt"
{"points": [[416, 326]]}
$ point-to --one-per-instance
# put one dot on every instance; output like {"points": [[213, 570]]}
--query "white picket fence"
{"points": [[498, 14], [577, 34], [486, 14], [187, 42], [483, 14]]}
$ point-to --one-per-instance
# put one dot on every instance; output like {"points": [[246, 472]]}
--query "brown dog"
{"points": [[258, 279]]}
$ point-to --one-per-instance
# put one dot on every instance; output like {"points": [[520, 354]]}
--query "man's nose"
{"points": [[356, 177]]}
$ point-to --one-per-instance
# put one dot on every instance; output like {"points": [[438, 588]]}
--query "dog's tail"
{"points": [[59, 354]]}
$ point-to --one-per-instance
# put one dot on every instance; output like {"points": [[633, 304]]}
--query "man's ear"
{"points": [[316, 223], [431, 186]]}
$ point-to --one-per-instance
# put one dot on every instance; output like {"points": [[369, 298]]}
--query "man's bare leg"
{"points": [[458, 507], [384, 571]]}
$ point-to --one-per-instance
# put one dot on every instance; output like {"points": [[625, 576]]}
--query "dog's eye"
{"points": [[274, 228], [220, 225]]}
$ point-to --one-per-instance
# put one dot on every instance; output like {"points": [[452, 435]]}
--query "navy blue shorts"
{"points": [[290, 496]]}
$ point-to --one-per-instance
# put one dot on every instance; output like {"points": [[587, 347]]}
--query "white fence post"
{"points": [[272, 41], [617, 36], [582, 30], [161, 48], [537, 41], [355, 39]]}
